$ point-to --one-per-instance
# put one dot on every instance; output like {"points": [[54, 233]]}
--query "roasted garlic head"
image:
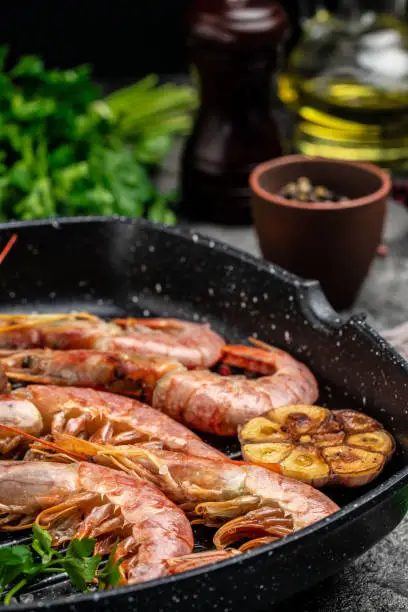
{"points": [[317, 445]]}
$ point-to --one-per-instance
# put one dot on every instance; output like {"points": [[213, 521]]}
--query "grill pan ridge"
{"points": [[117, 266]]}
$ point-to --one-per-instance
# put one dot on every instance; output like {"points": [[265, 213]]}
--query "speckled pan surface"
{"points": [[114, 267]]}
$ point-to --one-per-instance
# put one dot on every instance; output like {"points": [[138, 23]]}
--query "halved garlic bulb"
{"points": [[317, 445]]}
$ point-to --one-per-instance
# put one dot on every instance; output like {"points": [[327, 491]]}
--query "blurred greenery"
{"points": [[65, 151]]}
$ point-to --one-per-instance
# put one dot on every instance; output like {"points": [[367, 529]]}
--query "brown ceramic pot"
{"points": [[334, 243]]}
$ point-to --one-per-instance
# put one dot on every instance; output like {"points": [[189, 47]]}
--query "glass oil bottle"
{"points": [[346, 81]]}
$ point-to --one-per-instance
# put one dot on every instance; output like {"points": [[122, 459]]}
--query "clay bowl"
{"points": [[334, 243]]}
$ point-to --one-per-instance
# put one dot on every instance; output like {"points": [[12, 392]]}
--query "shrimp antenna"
{"points": [[7, 248], [45, 443]]}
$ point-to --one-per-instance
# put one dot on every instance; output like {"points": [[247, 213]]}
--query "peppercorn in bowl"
{"points": [[321, 219]]}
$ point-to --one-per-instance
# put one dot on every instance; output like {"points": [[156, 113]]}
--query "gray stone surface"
{"points": [[378, 581]]}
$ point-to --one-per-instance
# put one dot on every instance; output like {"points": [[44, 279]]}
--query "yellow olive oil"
{"points": [[347, 83]]}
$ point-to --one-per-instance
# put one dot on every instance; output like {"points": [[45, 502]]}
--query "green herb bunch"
{"points": [[64, 151], [22, 564]]}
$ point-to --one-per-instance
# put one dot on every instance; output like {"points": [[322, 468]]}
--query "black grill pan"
{"points": [[117, 267]]}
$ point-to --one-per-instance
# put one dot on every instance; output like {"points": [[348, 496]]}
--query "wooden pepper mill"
{"points": [[234, 47]]}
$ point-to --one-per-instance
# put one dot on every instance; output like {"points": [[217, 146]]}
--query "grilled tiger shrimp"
{"points": [[133, 375], [95, 415], [193, 344], [83, 499], [220, 404], [245, 501], [62, 331]]}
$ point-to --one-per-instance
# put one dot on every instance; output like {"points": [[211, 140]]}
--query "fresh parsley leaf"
{"points": [[81, 572], [160, 212], [81, 548], [110, 575], [127, 179], [8, 574], [65, 151], [79, 563], [15, 561], [18, 564], [28, 66], [41, 543], [16, 555], [153, 147]]}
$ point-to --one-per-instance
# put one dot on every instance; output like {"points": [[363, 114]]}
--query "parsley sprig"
{"points": [[21, 564], [67, 151]]}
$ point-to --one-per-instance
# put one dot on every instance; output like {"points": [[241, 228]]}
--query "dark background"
{"points": [[119, 38]]}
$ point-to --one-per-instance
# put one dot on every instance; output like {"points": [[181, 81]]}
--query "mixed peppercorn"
{"points": [[303, 190]]}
